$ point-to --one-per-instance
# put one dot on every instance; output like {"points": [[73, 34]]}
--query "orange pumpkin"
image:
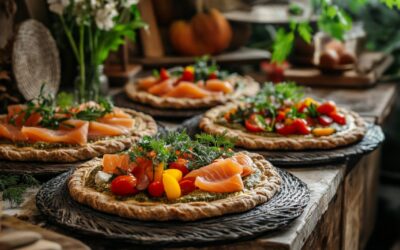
{"points": [[206, 33]]}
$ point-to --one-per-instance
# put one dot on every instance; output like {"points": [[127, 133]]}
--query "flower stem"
{"points": [[82, 87], [70, 38]]}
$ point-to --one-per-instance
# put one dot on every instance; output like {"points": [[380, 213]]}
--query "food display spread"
{"points": [[279, 117], [195, 86], [41, 130], [175, 178]]}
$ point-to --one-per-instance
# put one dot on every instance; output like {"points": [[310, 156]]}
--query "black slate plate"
{"points": [[54, 201], [372, 139], [45, 168], [122, 100]]}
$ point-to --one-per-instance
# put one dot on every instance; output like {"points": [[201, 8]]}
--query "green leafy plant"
{"points": [[332, 19], [14, 186]]}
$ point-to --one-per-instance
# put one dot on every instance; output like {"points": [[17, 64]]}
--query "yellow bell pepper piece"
{"points": [[158, 171], [310, 100], [176, 173], [171, 187], [189, 68], [323, 131]]}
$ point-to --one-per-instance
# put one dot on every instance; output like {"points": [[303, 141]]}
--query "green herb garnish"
{"points": [[14, 186], [167, 148]]}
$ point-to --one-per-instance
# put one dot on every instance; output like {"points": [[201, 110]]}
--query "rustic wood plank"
{"points": [[150, 38], [349, 79], [371, 182], [353, 206], [327, 233]]}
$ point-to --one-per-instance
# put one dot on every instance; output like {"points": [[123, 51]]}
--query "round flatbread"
{"points": [[246, 87], [144, 125], [354, 131], [263, 187]]}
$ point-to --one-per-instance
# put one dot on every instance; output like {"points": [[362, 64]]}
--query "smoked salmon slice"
{"points": [[246, 162], [102, 129], [230, 184], [162, 88], [187, 90], [12, 133], [117, 113], [219, 86], [111, 163], [147, 82], [76, 135], [123, 122], [220, 177]]}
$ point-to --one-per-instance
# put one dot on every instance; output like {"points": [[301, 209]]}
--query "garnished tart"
{"points": [[194, 86], [175, 177], [46, 130], [280, 117]]}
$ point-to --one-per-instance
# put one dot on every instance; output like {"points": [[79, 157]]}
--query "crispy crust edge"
{"points": [[250, 88], [254, 141], [264, 191], [147, 127]]}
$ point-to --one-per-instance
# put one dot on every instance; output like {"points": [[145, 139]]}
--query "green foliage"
{"points": [[391, 3], [14, 186], [203, 150]]}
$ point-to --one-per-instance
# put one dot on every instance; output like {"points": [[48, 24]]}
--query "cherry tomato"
{"points": [[252, 124], [302, 108], [325, 120], [338, 118], [187, 75], [124, 185], [213, 75], [187, 186], [310, 121], [164, 74], [281, 116], [143, 180], [285, 129], [301, 126], [180, 164], [156, 189], [326, 108]]}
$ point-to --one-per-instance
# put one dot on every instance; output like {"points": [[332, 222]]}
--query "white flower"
{"points": [[58, 6], [104, 17], [129, 3]]}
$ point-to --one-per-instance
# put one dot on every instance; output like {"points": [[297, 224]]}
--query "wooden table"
{"points": [[340, 214]]}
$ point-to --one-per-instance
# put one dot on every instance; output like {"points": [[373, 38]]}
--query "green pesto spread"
{"points": [[197, 195]]}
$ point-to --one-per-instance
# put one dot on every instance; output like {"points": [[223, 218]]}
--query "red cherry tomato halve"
{"points": [[338, 118], [180, 165], [213, 75], [252, 125], [164, 74], [187, 75], [326, 108], [285, 129], [124, 185], [301, 126], [325, 120], [187, 186], [156, 189]]}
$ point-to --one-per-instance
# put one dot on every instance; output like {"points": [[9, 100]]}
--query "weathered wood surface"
{"points": [[9, 223], [376, 62]]}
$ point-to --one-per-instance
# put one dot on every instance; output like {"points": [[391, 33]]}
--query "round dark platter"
{"points": [[54, 201], [122, 100], [44, 168], [372, 139]]}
